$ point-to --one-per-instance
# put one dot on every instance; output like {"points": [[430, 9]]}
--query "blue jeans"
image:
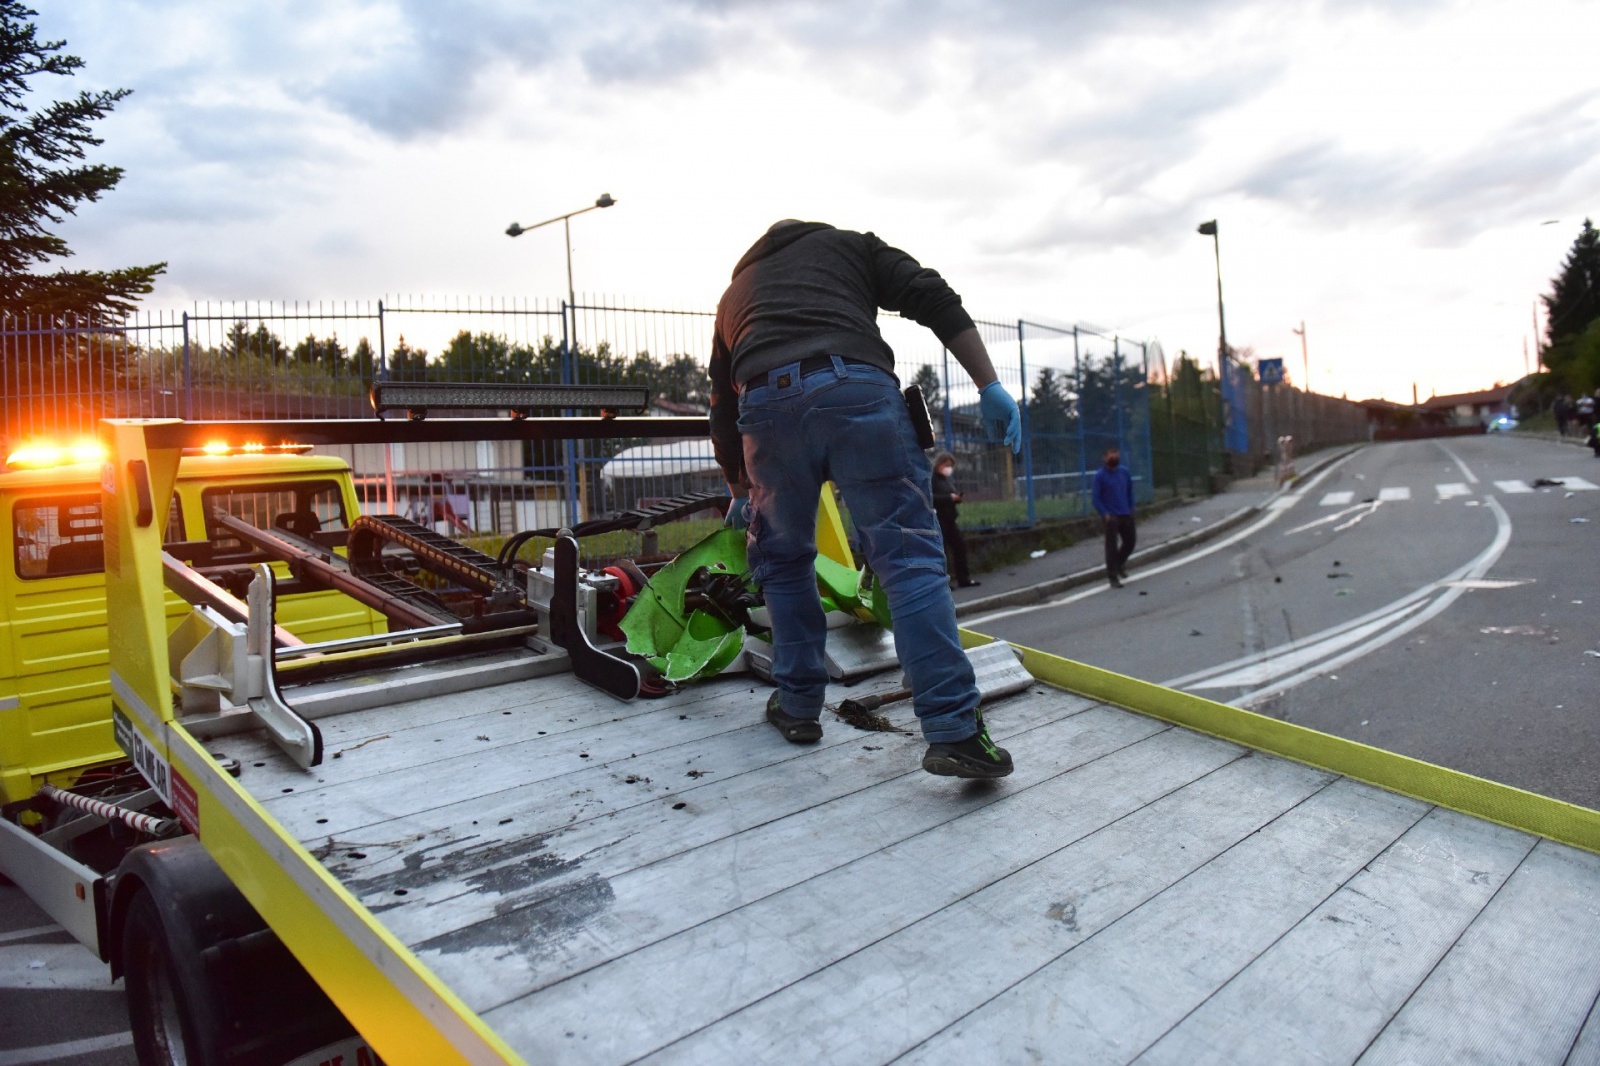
{"points": [[848, 424]]}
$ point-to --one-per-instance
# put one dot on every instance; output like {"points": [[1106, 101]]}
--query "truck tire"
{"points": [[169, 1005], [208, 983]]}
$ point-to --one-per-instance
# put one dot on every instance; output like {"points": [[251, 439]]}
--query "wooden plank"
{"points": [[879, 1002], [617, 827], [621, 892], [1086, 975], [1328, 986], [646, 999], [1522, 980]]}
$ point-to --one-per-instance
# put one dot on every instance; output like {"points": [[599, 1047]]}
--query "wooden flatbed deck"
{"points": [[668, 880]]}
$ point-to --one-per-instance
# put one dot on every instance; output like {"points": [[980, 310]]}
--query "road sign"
{"points": [[1270, 371]]}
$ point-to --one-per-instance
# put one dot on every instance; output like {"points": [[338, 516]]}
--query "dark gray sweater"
{"points": [[806, 289]]}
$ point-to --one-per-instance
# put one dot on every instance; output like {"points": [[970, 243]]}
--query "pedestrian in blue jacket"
{"points": [[1113, 501]]}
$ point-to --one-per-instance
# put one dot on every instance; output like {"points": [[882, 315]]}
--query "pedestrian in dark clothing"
{"points": [[1561, 408], [1113, 501], [803, 392], [945, 499]]}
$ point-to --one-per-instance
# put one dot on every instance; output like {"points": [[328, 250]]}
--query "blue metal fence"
{"points": [[1080, 391]]}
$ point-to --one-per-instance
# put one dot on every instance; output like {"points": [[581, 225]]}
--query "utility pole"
{"points": [[1305, 359]]}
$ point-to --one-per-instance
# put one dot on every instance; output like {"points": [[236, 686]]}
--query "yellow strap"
{"points": [[1530, 812]]}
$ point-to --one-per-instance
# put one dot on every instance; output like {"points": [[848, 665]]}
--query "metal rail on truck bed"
{"points": [[490, 866]]}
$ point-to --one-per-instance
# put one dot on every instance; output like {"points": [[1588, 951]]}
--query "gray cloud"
{"points": [[1509, 175]]}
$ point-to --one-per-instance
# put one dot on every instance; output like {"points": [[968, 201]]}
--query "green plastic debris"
{"points": [[683, 646], [688, 645]]}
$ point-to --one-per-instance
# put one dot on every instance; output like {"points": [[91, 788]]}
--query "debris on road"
{"points": [[1577, 520], [1551, 482], [1039, 554]]}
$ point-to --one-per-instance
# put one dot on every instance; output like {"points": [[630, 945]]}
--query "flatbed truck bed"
{"points": [[668, 880], [489, 860]]}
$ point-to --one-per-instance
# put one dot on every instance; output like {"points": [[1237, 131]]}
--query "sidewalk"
{"points": [[1168, 533]]}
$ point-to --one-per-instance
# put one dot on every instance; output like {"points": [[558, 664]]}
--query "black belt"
{"points": [[825, 362]]}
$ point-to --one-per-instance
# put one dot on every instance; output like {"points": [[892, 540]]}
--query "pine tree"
{"points": [[41, 183], [1574, 300]]}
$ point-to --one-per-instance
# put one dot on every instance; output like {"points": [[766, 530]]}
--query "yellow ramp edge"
{"points": [[1565, 823]]}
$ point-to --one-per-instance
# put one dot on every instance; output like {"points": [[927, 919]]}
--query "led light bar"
{"points": [[416, 398], [41, 455], [216, 448]]}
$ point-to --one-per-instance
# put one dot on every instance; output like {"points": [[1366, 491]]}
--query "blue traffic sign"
{"points": [[1270, 371]]}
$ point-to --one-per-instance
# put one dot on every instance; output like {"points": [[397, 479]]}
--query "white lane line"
{"points": [[1265, 520], [1368, 508], [1337, 499], [54, 966], [1283, 503], [28, 934], [1577, 484], [1453, 591], [1391, 495], [1452, 489], [1326, 519], [1454, 458], [1511, 488], [1414, 596], [1290, 661], [28, 1056]]}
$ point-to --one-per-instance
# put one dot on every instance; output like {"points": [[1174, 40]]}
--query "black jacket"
{"points": [[810, 289], [944, 491]]}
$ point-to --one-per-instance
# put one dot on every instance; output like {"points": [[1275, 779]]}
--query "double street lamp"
{"points": [[516, 230]]}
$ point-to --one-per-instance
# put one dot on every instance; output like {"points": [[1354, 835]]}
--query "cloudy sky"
{"points": [[1381, 171]]}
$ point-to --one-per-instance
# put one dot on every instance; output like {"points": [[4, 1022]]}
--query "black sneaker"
{"points": [[1116, 584], [977, 756], [1122, 572], [794, 730]]}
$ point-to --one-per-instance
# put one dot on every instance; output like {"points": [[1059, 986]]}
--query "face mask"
{"points": [[946, 471]]}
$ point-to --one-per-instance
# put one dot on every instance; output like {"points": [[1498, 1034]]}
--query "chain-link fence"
{"points": [[1080, 390]]}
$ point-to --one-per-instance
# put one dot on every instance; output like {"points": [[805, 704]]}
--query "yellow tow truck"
{"points": [[466, 841]]}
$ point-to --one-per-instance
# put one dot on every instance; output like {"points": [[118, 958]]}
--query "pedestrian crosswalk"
{"points": [[1450, 490]]}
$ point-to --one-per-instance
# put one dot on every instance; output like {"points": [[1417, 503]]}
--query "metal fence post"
{"points": [[1083, 439], [949, 425], [1027, 433], [568, 456], [188, 374]]}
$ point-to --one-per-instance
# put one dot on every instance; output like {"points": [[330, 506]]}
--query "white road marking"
{"points": [[1452, 591], [1337, 499], [28, 934], [54, 966], [27, 1056], [1368, 508], [1283, 503], [1250, 530], [1291, 660], [1325, 520], [1454, 458], [1451, 489], [1513, 487], [1398, 492], [1577, 484]]}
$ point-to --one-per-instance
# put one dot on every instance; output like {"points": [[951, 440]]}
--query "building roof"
{"points": [[1498, 394]]}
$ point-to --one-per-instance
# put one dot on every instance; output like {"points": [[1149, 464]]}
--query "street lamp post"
{"points": [[1305, 359], [605, 199], [1224, 379], [1209, 229]]}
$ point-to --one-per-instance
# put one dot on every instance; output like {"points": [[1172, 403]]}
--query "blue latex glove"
{"points": [[738, 516], [1001, 419]]}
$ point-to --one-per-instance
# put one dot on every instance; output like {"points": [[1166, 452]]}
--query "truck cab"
{"points": [[55, 710]]}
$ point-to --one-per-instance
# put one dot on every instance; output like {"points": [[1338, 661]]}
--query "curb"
{"points": [[1155, 553]]}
